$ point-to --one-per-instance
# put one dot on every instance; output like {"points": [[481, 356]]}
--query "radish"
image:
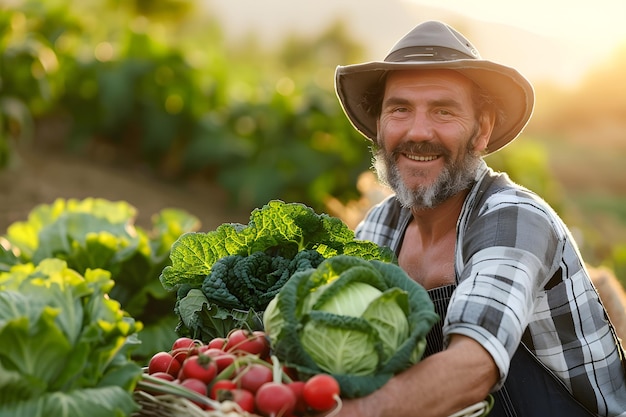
{"points": [[296, 387], [275, 399], [321, 392], [164, 362], [253, 376]]}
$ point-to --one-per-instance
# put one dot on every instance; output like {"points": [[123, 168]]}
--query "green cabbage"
{"points": [[66, 345], [95, 233], [361, 321]]}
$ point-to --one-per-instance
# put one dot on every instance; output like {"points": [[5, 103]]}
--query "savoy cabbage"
{"points": [[225, 278]]}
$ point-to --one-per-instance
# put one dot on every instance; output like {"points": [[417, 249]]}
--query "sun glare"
{"points": [[584, 33], [600, 20]]}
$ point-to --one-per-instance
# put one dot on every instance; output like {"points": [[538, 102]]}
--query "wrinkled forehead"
{"points": [[446, 77], [440, 82]]}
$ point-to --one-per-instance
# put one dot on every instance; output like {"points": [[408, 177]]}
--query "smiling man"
{"points": [[520, 317], [428, 130]]}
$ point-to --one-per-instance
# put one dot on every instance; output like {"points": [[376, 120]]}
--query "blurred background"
{"points": [[218, 106]]}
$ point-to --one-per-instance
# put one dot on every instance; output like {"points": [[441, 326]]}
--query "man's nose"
{"points": [[420, 127]]}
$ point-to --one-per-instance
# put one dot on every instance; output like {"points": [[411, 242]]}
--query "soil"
{"points": [[35, 178]]}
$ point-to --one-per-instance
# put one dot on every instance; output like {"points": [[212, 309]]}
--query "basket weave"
{"points": [[480, 409], [167, 405]]}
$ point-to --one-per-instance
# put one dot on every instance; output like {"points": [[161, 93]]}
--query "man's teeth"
{"points": [[422, 158]]}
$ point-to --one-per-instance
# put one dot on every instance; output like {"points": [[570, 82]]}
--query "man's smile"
{"points": [[421, 158]]}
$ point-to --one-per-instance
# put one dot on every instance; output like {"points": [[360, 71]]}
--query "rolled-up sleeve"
{"points": [[508, 253]]}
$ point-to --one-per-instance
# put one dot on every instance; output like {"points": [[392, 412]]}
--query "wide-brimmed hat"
{"points": [[435, 45]]}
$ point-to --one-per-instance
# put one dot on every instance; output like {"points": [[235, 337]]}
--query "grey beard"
{"points": [[456, 176]]}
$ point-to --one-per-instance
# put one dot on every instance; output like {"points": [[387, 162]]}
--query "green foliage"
{"points": [[203, 320], [70, 344], [154, 84], [225, 278], [96, 233], [159, 87], [277, 228], [361, 321], [250, 282], [236, 291], [526, 162]]}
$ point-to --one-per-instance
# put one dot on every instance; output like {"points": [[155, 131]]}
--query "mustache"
{"points": [[420, 147]]}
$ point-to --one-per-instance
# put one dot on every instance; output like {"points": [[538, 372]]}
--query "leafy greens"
{"points": [[225, 278], [69, 349], [361, 321], [97, 233]]}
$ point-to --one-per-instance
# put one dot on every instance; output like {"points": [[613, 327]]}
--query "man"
{"points": [[521, 318]]}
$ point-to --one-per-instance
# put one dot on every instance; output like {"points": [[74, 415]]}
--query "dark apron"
{"points": [[530, 390]]}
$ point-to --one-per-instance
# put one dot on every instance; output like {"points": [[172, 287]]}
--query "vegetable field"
{"points": [[138, 250], [160, 96], [105, 313]]}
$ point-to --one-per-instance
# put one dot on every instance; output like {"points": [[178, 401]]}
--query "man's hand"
{"points": [[438, 386]]}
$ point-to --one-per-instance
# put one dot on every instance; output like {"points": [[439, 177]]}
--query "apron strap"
{"points": [[533, 390]]}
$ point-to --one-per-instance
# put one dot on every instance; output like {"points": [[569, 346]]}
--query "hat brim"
{"points": [[514, 94]]}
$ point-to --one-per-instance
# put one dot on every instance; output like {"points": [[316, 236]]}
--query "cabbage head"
{"points": [[361, 321]]}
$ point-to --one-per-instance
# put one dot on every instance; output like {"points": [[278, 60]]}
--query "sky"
{"points": [[553, 40], [584, 32], [590, 23]]}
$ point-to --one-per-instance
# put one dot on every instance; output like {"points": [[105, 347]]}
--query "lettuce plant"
{"points": [[66, 349], [97, 233]]}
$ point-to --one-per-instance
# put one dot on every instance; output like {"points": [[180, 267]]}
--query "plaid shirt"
{"points": [[520, 275]]}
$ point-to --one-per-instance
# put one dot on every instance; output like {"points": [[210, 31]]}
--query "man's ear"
{"points": [[486, 122]]}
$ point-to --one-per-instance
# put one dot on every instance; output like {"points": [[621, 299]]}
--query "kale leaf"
{"points": [[225, 278], [276, 229]]}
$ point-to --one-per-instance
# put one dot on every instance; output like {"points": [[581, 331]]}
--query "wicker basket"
{"points": [[167, 405], [480, 409], [173, 406]]}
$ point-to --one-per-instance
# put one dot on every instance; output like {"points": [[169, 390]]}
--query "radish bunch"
{"points": [[238, 369]]}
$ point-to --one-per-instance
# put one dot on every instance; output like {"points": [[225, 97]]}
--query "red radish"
{"points": [[183, 343], [321, 392], [216, 389], [163, 375], [297, 387], [217, 342], [163, 362], [253, 376], [243, 398], [246, 342], [195, 385], [222, 359], [182, 348], [262, 337], [201, 367], [275, 399]]}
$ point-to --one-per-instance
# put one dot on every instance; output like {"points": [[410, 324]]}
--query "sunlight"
{"points": [[570, 21], [582, 34]]}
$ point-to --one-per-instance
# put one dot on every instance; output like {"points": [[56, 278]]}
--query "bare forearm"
{"points": [[438, 386]]}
